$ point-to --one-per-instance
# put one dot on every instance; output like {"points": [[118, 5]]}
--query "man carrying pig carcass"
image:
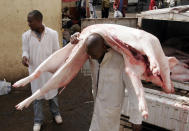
{"points": [[108, 86]]}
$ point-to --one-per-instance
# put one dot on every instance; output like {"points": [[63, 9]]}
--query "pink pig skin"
{"points": [[67, 60]]}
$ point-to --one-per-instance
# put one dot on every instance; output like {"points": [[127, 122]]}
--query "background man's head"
{"points": [[35, 19], [95, 46]]}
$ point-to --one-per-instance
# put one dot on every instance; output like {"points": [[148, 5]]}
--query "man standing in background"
{"points": [[105, 8], [121, 5], [152, 4], [37, 45], [92, 9]]}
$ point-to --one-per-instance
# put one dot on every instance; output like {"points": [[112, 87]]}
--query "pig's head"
{"points": [[165, 70]]}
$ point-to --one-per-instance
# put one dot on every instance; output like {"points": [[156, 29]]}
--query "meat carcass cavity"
{"points": [[142, 53]]}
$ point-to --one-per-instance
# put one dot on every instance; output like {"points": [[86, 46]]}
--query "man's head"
{"points": [[35, 19], [95, 46]]}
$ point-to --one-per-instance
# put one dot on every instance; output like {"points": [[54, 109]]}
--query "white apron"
{"points": [[109, 92], [37, 51]]}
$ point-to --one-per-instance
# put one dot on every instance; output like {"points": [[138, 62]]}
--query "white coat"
{"points": [[109, 82], [37, 51]]}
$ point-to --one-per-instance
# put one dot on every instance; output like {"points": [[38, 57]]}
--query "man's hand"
{"points": [[25, 61], [74, 39], [115, 8]]}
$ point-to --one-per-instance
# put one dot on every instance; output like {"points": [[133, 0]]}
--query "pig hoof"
{"points": [[19, 107], [143, 109], [145, 114], [21, 82], [155, 71], [154, 68], [17, 84], [23, 104]]}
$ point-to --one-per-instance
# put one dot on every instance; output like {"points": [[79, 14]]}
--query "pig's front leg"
{"points": [[29, 100], [139, 92], [51, 64], [142, 102], [27, 79], [135, 72]]}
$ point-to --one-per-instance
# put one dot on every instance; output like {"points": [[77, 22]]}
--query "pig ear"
{"points": [[172, 62]]}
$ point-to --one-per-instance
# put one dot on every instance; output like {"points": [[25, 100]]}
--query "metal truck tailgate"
{"points": [[169, 111]]}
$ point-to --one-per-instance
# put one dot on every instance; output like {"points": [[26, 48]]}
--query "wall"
{"points": [[13, 22], [68, 4], [131, 22]]}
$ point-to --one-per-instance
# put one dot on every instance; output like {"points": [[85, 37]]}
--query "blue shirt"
{"points": [[120, 5]]}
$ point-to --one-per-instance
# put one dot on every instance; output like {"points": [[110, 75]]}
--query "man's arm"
{"points": [[74, 39], [25, 51], [56, 44]]}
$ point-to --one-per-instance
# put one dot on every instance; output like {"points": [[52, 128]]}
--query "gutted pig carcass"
{"points": [[142, 53]]}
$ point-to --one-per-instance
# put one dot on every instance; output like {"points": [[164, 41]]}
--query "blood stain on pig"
{"points": [[136, 56]]}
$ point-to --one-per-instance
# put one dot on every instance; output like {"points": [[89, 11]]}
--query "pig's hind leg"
{"points": [[51, 64], [152, 49]]}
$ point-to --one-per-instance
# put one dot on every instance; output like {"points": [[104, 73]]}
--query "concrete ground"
{"points": [[111, 14], [76, 106]]}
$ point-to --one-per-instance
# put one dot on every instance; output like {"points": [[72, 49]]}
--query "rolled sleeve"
{"points": [[56, 44], [25, 46]]}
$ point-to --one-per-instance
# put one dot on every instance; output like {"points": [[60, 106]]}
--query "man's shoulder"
{"points": [[51, 31], [115, 53], [27, 33], [116, 56]]}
